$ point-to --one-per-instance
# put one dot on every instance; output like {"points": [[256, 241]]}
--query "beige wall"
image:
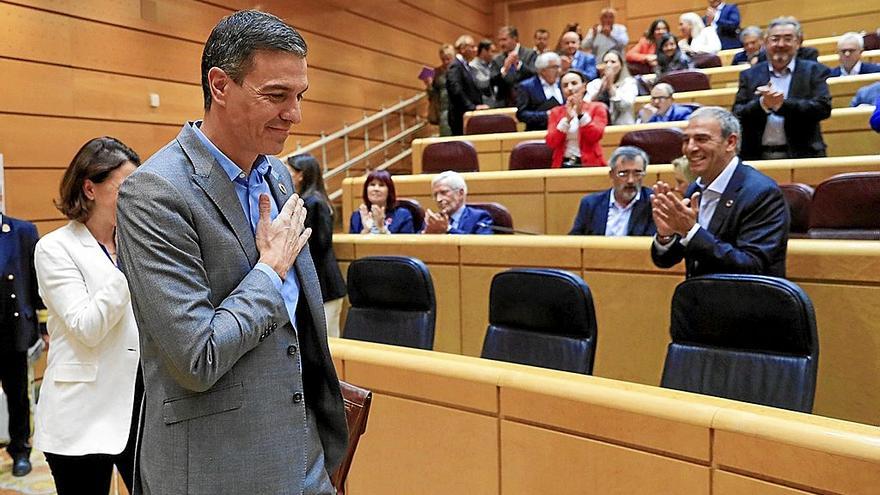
{"points": [[443, 424], [77, 69]]}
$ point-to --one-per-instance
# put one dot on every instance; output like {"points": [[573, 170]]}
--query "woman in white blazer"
{"points": [[86, 419]]}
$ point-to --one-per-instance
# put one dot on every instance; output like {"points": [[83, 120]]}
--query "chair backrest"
{"points": [[460, 156], [798, 197], [706, 60], [541, 317], [639, 68], [872, 41], [661, 145], [686, 80], [846, 206], [415, 209], [392, 302], [499, 213], [531, 154], [357, 402], [490, 124], [744, 337]]}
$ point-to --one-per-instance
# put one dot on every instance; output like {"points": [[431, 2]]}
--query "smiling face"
{"points": [[848, 53], [258, 113], [782, 44], [705, 149], [660, 30], [506, 41], [377, 192], [752, 44], [541, 39], [669, 47], [570, 43], [448, 200], [684, 29], [661, 99], [572, 84], [626, 187]]}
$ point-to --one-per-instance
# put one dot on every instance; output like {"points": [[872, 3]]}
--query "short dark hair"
{"points": [[236, 37], [95, 161], [511, 31], [485, 44], [384, 177], [312, 178]]}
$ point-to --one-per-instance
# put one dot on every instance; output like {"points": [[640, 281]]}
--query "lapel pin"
{"points": [[729, 203], [6, 228], [283, 189]]}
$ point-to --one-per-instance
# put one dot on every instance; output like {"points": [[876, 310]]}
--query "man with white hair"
{"points": [[538, 94], [849, 54], [733, 218], [454, 216]]}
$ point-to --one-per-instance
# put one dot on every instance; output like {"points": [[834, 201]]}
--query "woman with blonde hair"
{"points": [[696, 37]]}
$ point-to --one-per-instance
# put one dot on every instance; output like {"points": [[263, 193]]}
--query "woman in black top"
{"points": [[319, 216], [670, 57]]}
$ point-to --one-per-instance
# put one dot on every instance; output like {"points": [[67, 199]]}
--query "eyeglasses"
{"points": [[637, 174], [847, 51], [660, 98], [775, 39]]}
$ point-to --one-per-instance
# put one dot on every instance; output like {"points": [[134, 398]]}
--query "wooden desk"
{"points": [[846, 133], [443, 424], [632, 299], [728, 75]]}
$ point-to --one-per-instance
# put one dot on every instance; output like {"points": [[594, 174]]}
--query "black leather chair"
{"points": [[460, 156], [490, 124], [392, 302], [744, 337], [846, 206], [541, 317], [415, 209], [499, 213], [530, 155], [662, 145]]}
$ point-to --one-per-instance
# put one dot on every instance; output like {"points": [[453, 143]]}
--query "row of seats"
{"points": [[842, 207], [743, 337]]}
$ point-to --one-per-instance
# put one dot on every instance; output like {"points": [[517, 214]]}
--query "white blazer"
{"points": [[87, 394]]}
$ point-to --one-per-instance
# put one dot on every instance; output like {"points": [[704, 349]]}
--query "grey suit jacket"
{"points": [[226, 376]]}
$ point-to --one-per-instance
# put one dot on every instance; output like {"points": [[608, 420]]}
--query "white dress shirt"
{"points": [[774, 131], [618, 216], [551, 90]]}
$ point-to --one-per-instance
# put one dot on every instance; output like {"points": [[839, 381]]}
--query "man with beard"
{"points": [[454, 216], [781, 101], [623, 210], [733, 218]]}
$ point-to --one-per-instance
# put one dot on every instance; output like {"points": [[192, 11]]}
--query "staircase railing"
{"points": [[380, 145]]}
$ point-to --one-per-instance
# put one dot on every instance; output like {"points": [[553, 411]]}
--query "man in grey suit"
{"points": [[240, 391]]}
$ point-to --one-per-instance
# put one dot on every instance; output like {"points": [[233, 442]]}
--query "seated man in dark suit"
{"points": [[663, 107], [514, 64], [752, 39], [849, 52], [781, 102], [461, 85], [454, 216], [538, 94], [623, 210], [733, 218]]}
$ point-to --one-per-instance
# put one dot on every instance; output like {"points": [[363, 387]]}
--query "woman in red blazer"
{"points": [[575, 129]]}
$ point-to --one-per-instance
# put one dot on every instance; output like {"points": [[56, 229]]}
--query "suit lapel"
{"points": [[281, 190], [637, 215], [209, 175], [8, 241], [728, 199], [600, 219], [799, 84]]}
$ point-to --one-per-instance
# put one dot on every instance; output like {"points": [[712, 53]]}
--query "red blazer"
{"points": [[589, 136], [641, 50]]}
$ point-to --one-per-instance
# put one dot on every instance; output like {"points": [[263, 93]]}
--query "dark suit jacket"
{"points": [[748, 232], [320, 220], [399, 221], [19, 295], [866, 68], [473, 221], [592, 215], [728, 26], [532, 105], [464, 95], [807, 104], [506, 83]]}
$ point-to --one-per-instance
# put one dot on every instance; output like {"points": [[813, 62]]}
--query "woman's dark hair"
{"points": [[662, 60], [578, 73], [312, 179], [95, 161], [649, 34], [385, 178]]}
